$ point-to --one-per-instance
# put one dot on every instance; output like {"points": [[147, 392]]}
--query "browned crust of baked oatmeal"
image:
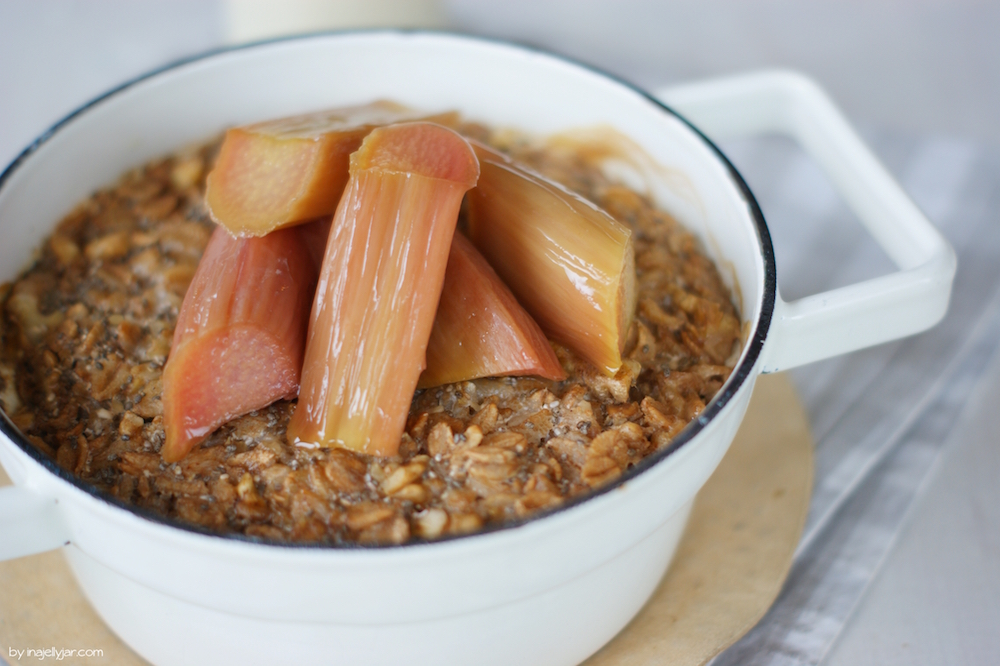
{"points": [[87, 329]]}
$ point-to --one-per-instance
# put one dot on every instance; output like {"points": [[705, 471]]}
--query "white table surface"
{"points": [[937, 598], [926, 69]]}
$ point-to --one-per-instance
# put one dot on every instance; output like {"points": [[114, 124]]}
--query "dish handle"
{"points": [[867, 313], [29, 523]]}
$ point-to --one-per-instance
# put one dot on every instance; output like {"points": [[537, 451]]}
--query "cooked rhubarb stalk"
{"points": [[240, 334], [480, 329], [379, 287], [570, 264], [282, 172]]}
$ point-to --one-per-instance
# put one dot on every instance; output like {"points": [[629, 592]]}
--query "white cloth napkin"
{"points": [[882, 417]]}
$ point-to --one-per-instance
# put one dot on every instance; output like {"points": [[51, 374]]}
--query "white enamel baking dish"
{"points": [[548, 591]]}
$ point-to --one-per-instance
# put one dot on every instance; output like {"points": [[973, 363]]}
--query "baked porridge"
{"points": [[87, 330]]}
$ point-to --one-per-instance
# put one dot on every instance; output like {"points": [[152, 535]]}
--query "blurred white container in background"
{"points": [[254, 20]]}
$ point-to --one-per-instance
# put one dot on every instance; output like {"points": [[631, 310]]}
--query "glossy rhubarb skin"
{"points": [[379, 287], [240, 334], [480, 329], [282, 172], [570, 264]]}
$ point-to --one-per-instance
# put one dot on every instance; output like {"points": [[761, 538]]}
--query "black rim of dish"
{"points": [[739, 376]]}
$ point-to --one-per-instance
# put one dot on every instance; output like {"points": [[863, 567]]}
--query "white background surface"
{"points": [[927, 67], [935, 600]]}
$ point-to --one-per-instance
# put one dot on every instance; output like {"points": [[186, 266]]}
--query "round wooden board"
{"points": [[728, 570]]}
